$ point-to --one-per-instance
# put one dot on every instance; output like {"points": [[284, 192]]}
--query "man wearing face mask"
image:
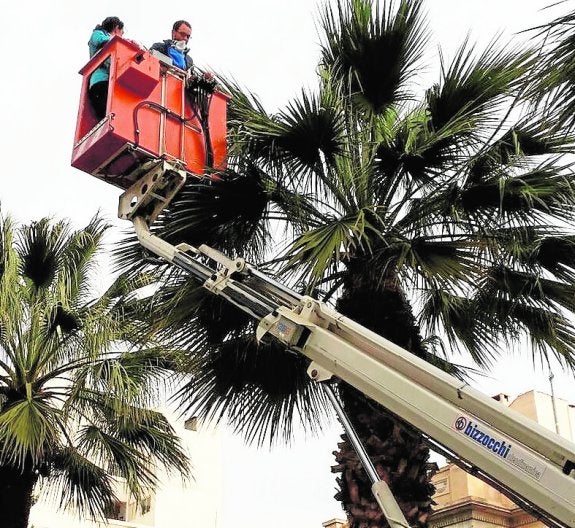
{"points": [[177, 47]]}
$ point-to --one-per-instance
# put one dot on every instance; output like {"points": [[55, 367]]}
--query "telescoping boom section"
{"points": [[153, 136]]}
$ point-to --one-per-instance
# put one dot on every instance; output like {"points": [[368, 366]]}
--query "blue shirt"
{"points": [[178, 57], [97, 40]]}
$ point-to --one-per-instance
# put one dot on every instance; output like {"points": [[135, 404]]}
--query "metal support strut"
{"points": [[379, 488]]}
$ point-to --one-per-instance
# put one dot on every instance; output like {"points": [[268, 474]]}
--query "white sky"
{"points": [[269, 46]]}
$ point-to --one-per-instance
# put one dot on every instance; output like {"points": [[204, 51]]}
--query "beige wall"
{"points": [[539, 407]]}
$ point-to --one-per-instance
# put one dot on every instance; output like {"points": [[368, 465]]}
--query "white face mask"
{"points": [[180, 45]]}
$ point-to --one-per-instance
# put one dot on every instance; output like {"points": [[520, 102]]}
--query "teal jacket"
{"points": [[97, 40]]}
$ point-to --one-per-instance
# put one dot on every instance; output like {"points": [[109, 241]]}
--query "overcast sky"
{"points": [[269, 46]]}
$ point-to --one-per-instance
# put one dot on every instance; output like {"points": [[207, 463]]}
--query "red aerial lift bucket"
{"points": [[149, 116]]}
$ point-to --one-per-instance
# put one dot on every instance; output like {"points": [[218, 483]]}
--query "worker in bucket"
{"points": [[98, 86], [177, 47]]}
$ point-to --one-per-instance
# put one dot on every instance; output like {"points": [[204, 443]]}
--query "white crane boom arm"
{"points": [[514, 451], [530, 464]]}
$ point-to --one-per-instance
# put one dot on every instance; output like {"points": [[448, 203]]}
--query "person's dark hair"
{"points": [[178, 23], [109, 23]]}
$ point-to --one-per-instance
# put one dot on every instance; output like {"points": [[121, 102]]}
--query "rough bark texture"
{"points": [[16, 489], [400, 458], [395, 448]]}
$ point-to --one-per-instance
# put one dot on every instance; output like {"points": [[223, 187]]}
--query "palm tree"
{"points": [[440, 222], [75, 384]]}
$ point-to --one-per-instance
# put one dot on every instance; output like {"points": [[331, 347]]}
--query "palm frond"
{"points": [[78, 260], [261, 390], [122, 458], [556, 254], [520, 146], [544, 189], [312, 133], [325, 247], [373, 50], [79, 483], [551, 87], [455, 317], [442, 261], [152, 435], [520, 286], [40, 245], [225, 213], [471, 89], [27, 428], [415, 150], [547, 330]]}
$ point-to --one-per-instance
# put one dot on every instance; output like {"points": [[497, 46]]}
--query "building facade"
{"points": [[185, 504]]}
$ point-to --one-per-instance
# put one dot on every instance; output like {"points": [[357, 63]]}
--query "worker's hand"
{"points": [[205, 81], [209, 81]]}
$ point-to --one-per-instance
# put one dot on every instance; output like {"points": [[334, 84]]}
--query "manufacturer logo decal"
{"points": [[470, 429], [518, 457]]}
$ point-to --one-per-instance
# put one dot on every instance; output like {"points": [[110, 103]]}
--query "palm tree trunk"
{"points": [[16, 488], [397, 450]]}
